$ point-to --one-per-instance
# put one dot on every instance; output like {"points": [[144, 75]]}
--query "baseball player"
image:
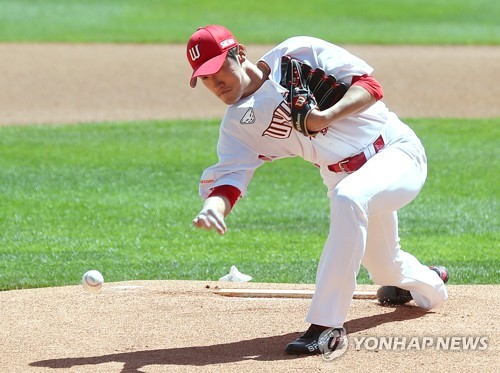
{"points": [[371, 163]]}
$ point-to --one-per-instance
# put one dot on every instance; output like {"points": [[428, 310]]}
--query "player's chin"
{"points": [[228, 97]]}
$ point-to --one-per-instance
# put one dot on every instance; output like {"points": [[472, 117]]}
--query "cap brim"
{"points": [[210, 67]]}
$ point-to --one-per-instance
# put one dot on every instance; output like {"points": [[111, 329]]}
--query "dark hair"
{"points": [[233, 53]]}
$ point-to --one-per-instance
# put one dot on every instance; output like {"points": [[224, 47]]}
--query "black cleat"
{"points": [[316, 340], [392, 295]]}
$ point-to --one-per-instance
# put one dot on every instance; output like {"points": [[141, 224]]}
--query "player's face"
{"points": [[229, 83]]}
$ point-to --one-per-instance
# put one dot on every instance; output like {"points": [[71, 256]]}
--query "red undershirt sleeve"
{"points": [[231, 193], [369, 83]]}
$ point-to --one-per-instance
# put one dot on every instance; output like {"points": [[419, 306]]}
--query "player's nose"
{"points": [[212, 81]]}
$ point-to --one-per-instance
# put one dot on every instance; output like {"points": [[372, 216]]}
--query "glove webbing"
{"points": [[326, 90]]}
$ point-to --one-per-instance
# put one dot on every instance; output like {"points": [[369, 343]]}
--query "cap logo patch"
{"points": [[194, 52], [226, 43]]}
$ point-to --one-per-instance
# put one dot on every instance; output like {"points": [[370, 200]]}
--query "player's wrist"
{"points": [[218, 204], [316, 121]]}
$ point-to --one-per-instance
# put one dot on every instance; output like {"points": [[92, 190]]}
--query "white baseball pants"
{"points": [[364, 230]]}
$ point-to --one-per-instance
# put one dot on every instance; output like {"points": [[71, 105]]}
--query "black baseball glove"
{"points": [[308, 89]]}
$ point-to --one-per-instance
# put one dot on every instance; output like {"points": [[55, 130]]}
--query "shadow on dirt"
{"points": [[400, 313], [260, 349]]}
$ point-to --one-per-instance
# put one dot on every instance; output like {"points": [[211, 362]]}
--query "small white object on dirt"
{"points": [[235, 276]]}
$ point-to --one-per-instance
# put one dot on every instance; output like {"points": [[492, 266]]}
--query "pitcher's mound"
{"points": [[158, 326]]}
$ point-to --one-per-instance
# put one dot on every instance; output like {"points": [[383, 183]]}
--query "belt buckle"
{"points": [[341, 166]]}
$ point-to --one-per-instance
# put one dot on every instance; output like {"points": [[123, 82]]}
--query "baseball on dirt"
{"points": [[92, 281]]}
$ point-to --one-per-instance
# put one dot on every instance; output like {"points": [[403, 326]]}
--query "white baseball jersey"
{"points": [[257, 128]]}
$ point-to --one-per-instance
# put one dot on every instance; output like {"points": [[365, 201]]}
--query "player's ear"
{"points": [[242, 53]]}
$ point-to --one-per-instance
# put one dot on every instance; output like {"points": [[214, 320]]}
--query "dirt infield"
{"points": [[159, 326], [64, 83]]}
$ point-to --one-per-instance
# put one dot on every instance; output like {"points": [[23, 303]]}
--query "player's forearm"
{"points": [[356, 99]]}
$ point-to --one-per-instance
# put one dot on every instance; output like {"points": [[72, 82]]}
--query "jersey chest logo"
{"points": [[280, 127], [249, 117]]}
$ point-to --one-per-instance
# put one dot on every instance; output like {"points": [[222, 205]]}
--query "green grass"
{"points": [[120, 198], [162, 21], [455, 219]]}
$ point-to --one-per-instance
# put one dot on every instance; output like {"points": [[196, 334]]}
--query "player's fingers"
{"points": [[218, 223], [209, 220], [201, 221]]}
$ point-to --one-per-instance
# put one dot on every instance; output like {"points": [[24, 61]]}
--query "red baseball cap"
{"points": [[207, 50]]}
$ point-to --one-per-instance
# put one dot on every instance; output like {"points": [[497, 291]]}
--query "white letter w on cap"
{"points": [[194, 52]]}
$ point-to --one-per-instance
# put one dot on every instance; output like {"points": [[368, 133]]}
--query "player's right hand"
{"points": [[210, 218]]}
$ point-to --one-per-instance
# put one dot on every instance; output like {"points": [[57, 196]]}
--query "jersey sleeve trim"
{"points": [[369, 83], [231, 193]]}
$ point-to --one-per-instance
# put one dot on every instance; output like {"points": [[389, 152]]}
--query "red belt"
{"points": [[355, 162]]}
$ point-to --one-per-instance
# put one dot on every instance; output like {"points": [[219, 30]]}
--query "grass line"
{"points": [[119, 197]]}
